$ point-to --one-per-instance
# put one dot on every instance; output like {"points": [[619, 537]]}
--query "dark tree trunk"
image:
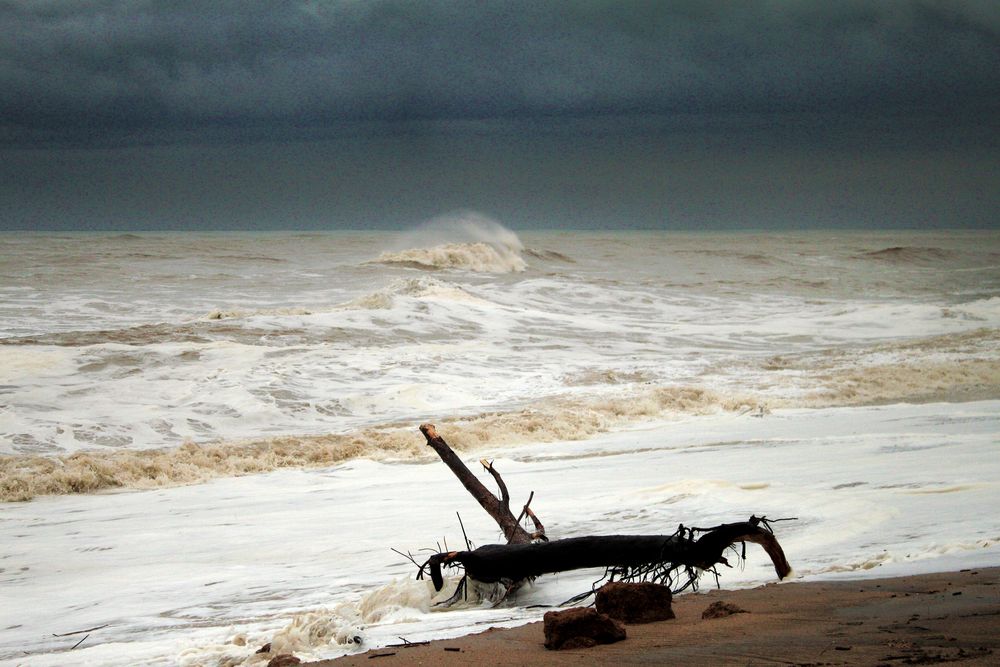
{"points": [[624, 557], [629, 555], [498, 508]]}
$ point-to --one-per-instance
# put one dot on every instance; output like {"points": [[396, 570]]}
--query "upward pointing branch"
{"points": [[504, 494], [495, 507]]}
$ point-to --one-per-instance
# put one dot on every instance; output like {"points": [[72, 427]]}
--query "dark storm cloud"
{"points": [[85, 69]]}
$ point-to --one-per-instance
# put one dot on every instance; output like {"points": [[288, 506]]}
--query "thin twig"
{"points": [[525, 508], [407, 556], [80, 632], [407, 644], [81, 641], [468, 547]]}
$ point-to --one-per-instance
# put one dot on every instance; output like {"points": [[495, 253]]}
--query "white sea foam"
{"points": [[301, 558]]}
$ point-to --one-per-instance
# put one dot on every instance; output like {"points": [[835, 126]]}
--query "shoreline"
{"points": [[915, 619]]}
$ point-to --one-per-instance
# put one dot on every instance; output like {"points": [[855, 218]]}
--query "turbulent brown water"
{"points": [[142, 359]]}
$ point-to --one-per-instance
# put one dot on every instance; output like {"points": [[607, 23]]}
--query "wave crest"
{"points": [[466, 241], [478, 257]]}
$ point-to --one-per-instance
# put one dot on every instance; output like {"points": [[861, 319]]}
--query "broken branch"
{"points": [[497, 508]]}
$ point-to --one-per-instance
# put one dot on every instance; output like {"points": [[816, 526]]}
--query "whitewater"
{"points": [[209, 442]]}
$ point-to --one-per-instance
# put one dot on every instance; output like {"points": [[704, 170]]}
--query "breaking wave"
{"points": [[24, 477], [927, 382], [949, 367], [465, 242], [478, 257]]}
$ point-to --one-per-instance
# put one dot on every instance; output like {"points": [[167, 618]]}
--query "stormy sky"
{"points": [[371, 114]]}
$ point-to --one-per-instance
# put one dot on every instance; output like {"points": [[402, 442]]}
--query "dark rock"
{"points": [[722, 609], [580, 627], [284, 660], [266, 648], [635, 603]]}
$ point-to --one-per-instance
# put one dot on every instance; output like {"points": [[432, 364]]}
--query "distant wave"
{"points": [[748, 257], [549, 255], [466, 241], [255, 258], [906, 254]]}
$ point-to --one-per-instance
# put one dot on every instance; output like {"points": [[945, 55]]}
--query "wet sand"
{"points": [[925, 619]]}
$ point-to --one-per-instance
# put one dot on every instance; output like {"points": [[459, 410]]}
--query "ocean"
{"points": [[208, 441]]}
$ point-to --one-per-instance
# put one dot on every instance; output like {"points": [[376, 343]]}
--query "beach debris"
{"points": [[580, 627], [720, 609], [80, 632], [407, 644], [634, 603], [498, 508], [676, 561], [86, 634]]}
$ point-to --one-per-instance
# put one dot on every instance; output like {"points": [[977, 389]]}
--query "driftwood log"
{"points": [[676, 560]]}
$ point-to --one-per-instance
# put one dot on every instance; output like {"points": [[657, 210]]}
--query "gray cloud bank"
{"points": [[81, 72]]}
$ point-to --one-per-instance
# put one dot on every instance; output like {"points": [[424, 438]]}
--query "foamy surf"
{"points": [[416, 288], [558, 418], [313, 634], [565, 417], [302, 557]]}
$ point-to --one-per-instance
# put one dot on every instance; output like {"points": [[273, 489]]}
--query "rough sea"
{"points": [[209, 441]]}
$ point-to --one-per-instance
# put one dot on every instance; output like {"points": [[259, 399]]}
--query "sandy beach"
{"points": [[923, 619]]}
